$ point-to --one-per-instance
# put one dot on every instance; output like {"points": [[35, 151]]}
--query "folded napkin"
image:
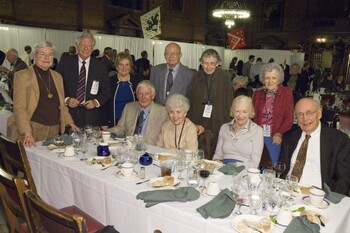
{"points": [[183, 194], [301, 224], [332, 196], [229, 169], [66, 138], [220, 207]]}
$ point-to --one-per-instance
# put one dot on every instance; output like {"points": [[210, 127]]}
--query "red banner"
{"points": [[236, 38]]}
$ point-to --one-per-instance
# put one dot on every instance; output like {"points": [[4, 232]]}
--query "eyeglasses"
{"points": [[307, 114], [42, 54], [171, 54], [85, 46]]}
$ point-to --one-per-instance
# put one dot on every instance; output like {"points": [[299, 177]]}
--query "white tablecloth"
{"points": [[4, 114], [112, 201]]}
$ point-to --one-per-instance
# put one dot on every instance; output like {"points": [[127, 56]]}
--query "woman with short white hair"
{"points": [[178, 132], [240, 140]]}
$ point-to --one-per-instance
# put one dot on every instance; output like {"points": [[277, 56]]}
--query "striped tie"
{"points": [[81, 83]]}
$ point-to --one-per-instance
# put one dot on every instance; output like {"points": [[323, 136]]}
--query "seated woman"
{"points": [[240, 140], [179, 132]]}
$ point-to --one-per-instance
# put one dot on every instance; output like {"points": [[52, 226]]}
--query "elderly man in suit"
{"points": [[85, 82], [316, 153], [171, 77], [143, 116]]}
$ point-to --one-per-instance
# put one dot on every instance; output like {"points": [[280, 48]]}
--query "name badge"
{"points": [[267, 130], [94, 87], [207, 110]]}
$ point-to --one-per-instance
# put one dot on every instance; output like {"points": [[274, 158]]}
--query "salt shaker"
{"points": [[142, 173]]}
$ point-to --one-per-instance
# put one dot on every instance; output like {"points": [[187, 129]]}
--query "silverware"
{"points": [[319, 217], [141, 182], [116, 164], [156, 165]]}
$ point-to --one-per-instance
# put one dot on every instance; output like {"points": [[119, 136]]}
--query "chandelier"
{"points": [[231, 10]]}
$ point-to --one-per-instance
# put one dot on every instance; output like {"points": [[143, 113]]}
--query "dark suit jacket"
{"points": [[108, 63], [17, 66], [286, 72], [181, 83], [69, 69], [335, 156]]}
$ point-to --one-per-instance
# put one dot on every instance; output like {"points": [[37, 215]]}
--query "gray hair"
{"points": [[239, 78], [12, 51], [43, 44], [84, 35], [210, 53], [177, 101], [243, 99], [146, 83], [269, 67]]}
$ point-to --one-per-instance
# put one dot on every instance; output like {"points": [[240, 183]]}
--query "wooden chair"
{"points": [[44, 218], [14, 162]]}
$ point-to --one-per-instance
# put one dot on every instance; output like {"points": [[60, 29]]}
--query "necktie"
{"points": [[139, 123], [169, 82], [301, 158], [81, 83]]}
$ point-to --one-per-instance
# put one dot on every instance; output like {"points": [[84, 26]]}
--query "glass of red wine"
{"points": [[204, 173]]}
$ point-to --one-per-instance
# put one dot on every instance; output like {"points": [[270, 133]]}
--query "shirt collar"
{"points": [[81, 60], [317, 131], [176, 67]]}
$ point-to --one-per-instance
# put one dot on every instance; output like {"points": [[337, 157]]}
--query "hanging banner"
{"points": [[236, 38], [151, 23]]}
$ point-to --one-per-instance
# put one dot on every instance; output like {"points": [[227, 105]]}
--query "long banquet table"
{"points": [[112, 201]]}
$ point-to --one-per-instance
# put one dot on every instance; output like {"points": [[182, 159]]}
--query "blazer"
{"points": [[335, 159], [26, 98], [180, 86], [283, 109], [127, 123], [68, 67], [17, 66]]}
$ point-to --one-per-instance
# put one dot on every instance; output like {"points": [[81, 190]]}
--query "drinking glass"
{"points": [[239, 188], [204, 174], [88, 131], [279, 167], [180, 166], [284, 193], [77, 136], [292, 182], [268, 177], [199, 156], [84, 147], [255, 200], [192, 177], [96, 133]]}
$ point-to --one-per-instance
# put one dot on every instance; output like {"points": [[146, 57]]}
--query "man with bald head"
{"points": [[171, 77], [327, 158]]}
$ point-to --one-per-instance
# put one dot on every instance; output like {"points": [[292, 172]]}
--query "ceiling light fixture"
{"points": [[231, 10]]}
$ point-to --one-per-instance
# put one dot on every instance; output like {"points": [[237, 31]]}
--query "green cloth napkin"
{"points": [[154, 197], [332, 196], [230, 169], [66, 138], [302, 225], [220, 207]]}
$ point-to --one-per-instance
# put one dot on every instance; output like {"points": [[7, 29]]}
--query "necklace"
{"points": [[49, 94], [177, 144]]}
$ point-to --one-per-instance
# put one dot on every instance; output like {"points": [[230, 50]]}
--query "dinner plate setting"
{"points": [[62, 156], [161, 183], [121, 176], [251, 223], [311, 213]]}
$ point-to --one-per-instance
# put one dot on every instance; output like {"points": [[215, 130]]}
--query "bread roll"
{"points": [[168, 180], [107, 160]]}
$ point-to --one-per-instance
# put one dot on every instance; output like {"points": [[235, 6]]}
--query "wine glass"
{"points": [[88, 131], [96, 133], [255, 200], [84, 147], [279, 167], [204, 174], [239, 188]]}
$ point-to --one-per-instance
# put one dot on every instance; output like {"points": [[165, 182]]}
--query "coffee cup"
{"points": [[284, 216], [69, 151], [106, 135], [213, 188], [127, 169], [316, 196], [166, 167]]}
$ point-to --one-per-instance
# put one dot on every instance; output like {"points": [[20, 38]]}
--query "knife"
{"points": [[141, 182]]}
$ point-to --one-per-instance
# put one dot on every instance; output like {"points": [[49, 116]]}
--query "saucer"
{"points": [[277, 224], [324, 204], [204, 193], [67, 157], [120, 175]]}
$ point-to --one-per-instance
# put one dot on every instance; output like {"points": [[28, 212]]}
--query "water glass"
{"points": [[84, 147], [255, 200], [192, 178]]}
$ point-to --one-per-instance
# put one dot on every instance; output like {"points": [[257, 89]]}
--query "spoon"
{"points": [[319, 217], [116, 164]]}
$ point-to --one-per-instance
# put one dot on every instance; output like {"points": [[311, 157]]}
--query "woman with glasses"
{"points": [[274, 108]]}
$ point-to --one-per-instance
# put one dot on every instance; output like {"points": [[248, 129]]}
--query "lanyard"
{"points": [[177, 145]]}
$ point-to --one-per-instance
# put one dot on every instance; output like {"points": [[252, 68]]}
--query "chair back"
{"points": [[43, 217], [14, 160]]}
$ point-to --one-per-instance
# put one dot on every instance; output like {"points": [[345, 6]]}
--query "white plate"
{"points": [[99, 159], [120, 175], [239, 226], [278, 224], [313, 210], [204, 193], [67, 157], [176, 182], [324, 204]]}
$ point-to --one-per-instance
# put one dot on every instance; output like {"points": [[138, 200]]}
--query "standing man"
{"points": [[171, 77], [247, 66], [85, 82], [316, 153], [286, 71], [26, 55], [107, 60]]}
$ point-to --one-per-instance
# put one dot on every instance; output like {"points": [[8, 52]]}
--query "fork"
{"points": [[116, 164]]}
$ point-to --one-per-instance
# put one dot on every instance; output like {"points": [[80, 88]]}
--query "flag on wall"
{"points": [[236, 38], [151, 23]]}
